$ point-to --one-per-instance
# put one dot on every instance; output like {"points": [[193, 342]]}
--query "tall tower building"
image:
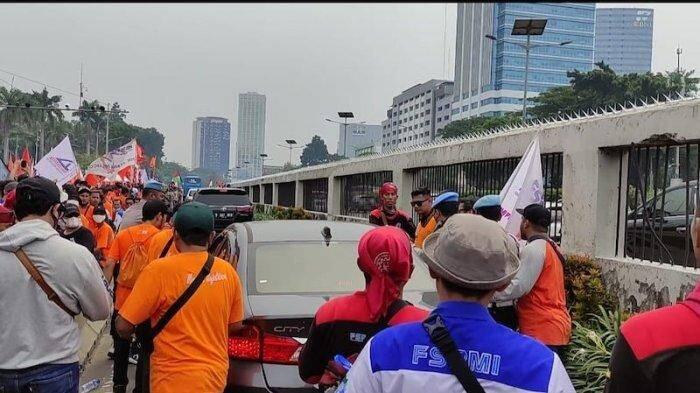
{"points": [[623, 38], [211, 141], [490, 75], [251, 134]]}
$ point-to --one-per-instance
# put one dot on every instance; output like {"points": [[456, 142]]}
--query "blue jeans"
{"points": [[46, 378]]}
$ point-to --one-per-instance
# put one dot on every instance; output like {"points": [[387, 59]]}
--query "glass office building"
{"points": [[490, 75], [623, 38]]}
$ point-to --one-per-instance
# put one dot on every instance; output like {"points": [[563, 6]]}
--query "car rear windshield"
{"points": [[224, 198], [311, 268]]}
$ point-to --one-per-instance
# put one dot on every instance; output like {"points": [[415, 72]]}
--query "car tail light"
{"points": [[245, 209], [253, 344]]}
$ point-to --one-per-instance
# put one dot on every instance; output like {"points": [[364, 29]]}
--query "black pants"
{"points": [[143, 366], [506, 316], [121, 360]]}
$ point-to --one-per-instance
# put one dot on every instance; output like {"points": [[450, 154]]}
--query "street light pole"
{"points": [[107, 132], [527, 68]]}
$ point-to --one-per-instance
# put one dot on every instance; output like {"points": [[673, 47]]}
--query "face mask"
{"points": [[73, 222], [99, 218]]}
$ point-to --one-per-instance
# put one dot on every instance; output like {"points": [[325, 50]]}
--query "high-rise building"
{"points": [[417, 114], [490, 75], [211, 143], [251, 135], [357, 137], [623, 38]]}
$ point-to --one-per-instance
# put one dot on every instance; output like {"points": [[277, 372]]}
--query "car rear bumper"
{"points": [[222, 223], [244, 377]]}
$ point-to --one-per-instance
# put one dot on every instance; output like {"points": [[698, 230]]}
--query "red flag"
{"points": [[139, 153], [25, 155], [26, 164]]}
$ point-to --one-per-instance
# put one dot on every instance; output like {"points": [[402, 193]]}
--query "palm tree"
{"points": [[45, 118], [11, 118], [90, 120]]}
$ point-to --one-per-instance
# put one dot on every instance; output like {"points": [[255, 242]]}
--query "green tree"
{"points": [[10, 118], [46, 119], [89, 121], [474, 125], [167, 170], [315, 152], [603, 88]]}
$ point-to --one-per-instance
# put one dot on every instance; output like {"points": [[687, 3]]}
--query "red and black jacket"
{"points": [[399, 219], [342, 326], [658, 351]]}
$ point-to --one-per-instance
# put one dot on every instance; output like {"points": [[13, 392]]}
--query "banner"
{"points": [[114, 161], [524, 187], [59, 164]]}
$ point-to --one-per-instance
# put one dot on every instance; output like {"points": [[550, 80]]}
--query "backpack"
{"points": [[135, 259]]}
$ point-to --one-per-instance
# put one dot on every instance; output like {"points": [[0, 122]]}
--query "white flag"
{"points": [[524, 187], [109, 164], [59, 164]]}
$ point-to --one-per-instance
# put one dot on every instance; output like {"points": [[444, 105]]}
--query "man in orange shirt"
{"points": [[422, 202], [153, 219], [162, 245], [103, 233], [190, 352], [84, 206]]}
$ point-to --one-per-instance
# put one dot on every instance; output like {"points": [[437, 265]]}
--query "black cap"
{"points": [[70, 210], [38, 187], [83, 190], [99, 209], [537, 214]]}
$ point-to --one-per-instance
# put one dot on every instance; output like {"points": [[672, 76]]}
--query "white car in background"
{"points": [[190, 194]]}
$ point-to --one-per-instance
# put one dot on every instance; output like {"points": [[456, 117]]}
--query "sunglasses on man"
{"points": [[418, 203]]}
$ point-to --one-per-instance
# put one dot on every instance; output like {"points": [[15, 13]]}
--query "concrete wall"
{"points": [[591, 149]]}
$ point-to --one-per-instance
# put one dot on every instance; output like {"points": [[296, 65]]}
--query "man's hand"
{"points": [[124, 328]]}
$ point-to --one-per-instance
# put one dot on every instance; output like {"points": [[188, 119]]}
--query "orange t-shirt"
{"points": [[104, 236], [423, 231], [158, 243], [124, 240], [191, 352], [542, 312]]}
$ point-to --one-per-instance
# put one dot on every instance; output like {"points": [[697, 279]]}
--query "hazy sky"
{"points": [[169, 63]]}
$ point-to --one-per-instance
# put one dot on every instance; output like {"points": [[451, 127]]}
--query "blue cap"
{"points": [[487, 201], [154, 185], [446, 197]]}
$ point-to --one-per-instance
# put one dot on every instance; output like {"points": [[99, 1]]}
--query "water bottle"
{"points": [[346, 365], [90, 386]]}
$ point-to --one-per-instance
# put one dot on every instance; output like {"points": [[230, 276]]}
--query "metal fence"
{"points": [[662, 193], [360, 192], [286, 194], [478, 178], [256, 194], [316, 195], [267, 195]]}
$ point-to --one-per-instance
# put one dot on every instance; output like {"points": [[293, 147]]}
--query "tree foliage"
{"points": [[316, 152], [474, 125], [42, 129], [602, 88]]}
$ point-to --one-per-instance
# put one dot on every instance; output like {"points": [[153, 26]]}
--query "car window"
{"points": [[222, 199], [295, 268], [674, 202], [220, 247]]}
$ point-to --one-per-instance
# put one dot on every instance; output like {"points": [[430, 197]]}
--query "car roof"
{"points": [[303, 230]]}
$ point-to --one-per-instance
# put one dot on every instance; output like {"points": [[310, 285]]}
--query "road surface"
{"points": [[100, 366]]}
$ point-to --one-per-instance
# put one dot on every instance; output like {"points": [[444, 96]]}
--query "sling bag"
{"points": [[148, 334], [39, 279], [167, 247], [551, 243], [441, 337]]}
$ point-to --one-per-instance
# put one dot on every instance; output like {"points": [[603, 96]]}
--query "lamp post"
{"points": [[263, 157], [345, 116], [528, 27], [290, 145]]}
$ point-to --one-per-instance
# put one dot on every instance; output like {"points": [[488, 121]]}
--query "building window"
{"points": [[447, 105], [427, 111], [447, 117], [427, 101], [439, 108], [439, 119], [427, 122]]}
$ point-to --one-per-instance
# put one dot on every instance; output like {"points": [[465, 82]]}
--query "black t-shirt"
{"points": [[84, 237]]}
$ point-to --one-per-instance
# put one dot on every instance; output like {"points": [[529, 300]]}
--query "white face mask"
{"points": [[73, 222], [99, 218]]}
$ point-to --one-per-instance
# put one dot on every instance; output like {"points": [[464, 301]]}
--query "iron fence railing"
{"points": [[267, 195], [316, 195], [286, 194], [478, 178], [360, 192], [661, 196], [256, 194]]}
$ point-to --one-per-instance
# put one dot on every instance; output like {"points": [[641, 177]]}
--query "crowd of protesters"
{"points": [[138, 254]]}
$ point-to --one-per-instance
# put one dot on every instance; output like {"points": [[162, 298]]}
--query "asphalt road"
{"points": [[100, 367]]}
